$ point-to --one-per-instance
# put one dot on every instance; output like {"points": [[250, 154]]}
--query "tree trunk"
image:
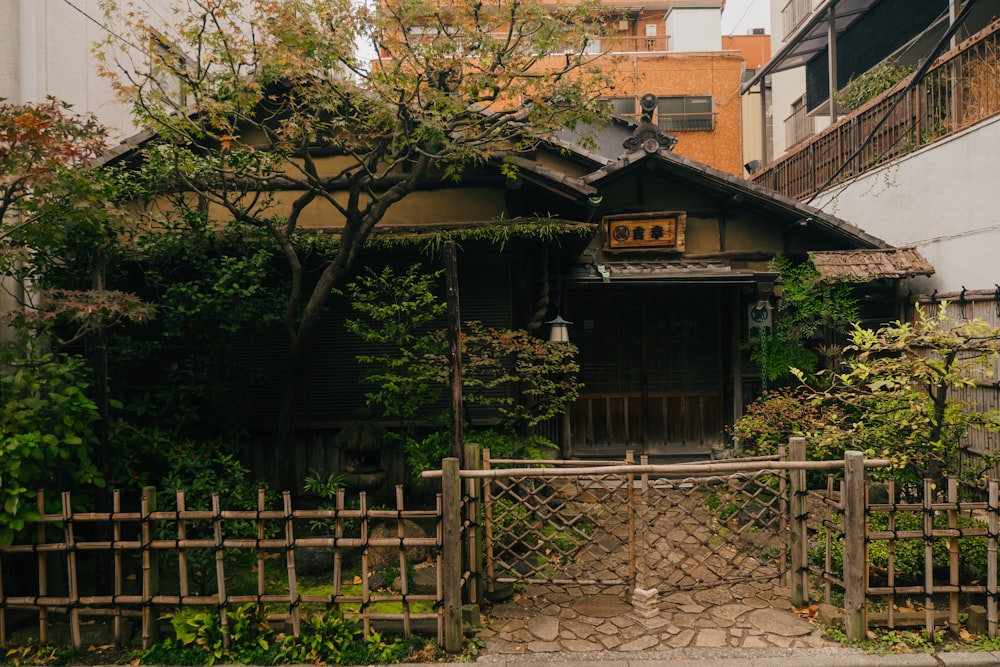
{"points": [[939, 395], [287, 445]]}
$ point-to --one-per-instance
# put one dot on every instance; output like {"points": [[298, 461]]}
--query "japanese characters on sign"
{"points": [[646, 230]]}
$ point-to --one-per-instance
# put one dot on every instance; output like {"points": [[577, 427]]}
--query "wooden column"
{"points": [[74, 591], [474, 518], [855, 552], [150, 570], [797, 522], [454, 348], [451, 546]]}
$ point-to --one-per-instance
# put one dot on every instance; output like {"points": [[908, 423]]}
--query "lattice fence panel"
{"points": [[559, 529], [704, 532]]}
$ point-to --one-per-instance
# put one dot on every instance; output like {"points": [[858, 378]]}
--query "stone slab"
{"points": [[778, 622], [510, 611], [601, 606], [545, 628]]}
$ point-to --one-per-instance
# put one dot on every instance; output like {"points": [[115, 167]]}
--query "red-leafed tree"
{"points": [[56, 228]]}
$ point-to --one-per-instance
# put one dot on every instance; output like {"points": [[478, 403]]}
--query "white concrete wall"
{"points": [[10, 48], [941, 200], [786, 87], [694, 29], [46, 50]]}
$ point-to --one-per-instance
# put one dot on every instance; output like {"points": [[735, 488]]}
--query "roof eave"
{"points": [[761, 196]]}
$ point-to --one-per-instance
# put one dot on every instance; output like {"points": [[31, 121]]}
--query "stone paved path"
{"points": [[579, 619]]}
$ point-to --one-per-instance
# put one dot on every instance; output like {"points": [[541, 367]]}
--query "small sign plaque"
{"points": [[661, 231]]}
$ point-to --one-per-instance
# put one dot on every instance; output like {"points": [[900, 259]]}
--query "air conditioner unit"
{"points": [[623, 25]]}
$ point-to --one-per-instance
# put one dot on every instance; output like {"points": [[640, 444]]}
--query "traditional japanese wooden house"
{"points": [[660, 273]]}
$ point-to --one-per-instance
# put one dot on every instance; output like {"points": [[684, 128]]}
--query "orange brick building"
{"points": [[697, 101], [674, 50]]}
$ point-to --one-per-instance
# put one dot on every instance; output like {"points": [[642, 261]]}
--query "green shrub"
{"points": [[769, 421], [249, 635], [172, 652], [909, 554], [323, 639], [46, 435], [874, 82]]}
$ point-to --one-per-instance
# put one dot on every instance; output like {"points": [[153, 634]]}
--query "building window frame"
{"points": [[799, 124], [624, 107], [685, 113]]}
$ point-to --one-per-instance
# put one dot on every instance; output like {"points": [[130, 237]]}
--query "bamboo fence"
{"points": [[131, 549]]}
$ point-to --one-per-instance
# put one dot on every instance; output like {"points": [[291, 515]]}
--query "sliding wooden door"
{"points": [[651, 363]]}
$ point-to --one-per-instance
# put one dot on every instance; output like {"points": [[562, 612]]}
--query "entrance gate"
{"points": [[654, 529]]}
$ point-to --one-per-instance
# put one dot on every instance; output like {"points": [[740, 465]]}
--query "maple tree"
{"points": [[56, 226], [57, 215], [36, 142], [265, 109], [896, 394]]}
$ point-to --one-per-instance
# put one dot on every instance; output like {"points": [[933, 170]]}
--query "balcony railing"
{"points": [[686, 122], [628, 44], [961, 89], [794, 13], [798, 126]]}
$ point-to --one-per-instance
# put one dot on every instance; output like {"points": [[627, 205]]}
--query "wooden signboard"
{"points": [[642, 231]]}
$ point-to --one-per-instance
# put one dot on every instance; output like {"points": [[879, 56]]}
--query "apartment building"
{"points": [[913, 165], [674, 50]]}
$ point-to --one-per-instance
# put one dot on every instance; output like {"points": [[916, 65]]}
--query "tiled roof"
{"points": [[867, 265]]}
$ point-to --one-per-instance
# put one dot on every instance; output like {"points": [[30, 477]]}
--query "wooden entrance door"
{"points": [[651, 364]]}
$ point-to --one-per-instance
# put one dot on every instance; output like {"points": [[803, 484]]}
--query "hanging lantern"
{"points": [[560, 330]]}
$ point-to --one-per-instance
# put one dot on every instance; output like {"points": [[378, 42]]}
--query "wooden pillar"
{"points": [[150, 569], [855, 551], [43, 573], [991, 561], [475, 542], [928, 525], [451, 576], [797, 522], [454, 348], [74, 590]]}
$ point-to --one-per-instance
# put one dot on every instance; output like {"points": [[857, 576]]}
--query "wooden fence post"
{"points": [[74, 591], [855, 552], [150, 569], [991, 561], [43, 572], [451, 547], [474, 461], [928, 527], [799, 546]]}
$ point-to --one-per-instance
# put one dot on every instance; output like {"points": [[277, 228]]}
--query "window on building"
{"points": [[794, 13], [798, 125], [691, 113], [593, 46], [622, 106], [169, 65]]}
